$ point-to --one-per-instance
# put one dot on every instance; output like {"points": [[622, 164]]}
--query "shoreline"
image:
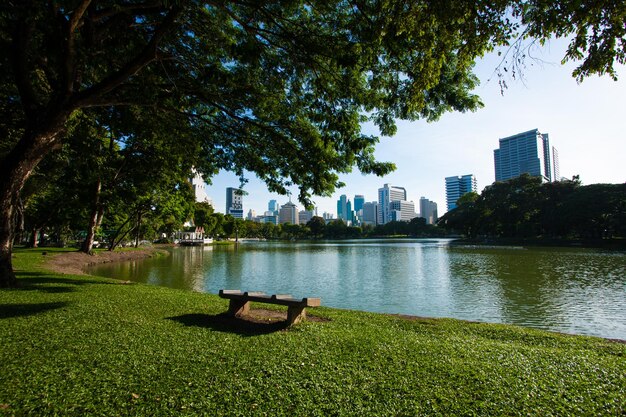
{"points": [[607, 244], [75, 263]]}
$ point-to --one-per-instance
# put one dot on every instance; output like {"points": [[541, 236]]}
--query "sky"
{"points": [[586, 123]]}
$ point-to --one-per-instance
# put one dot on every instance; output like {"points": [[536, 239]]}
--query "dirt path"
{"points": [[75, 263]]}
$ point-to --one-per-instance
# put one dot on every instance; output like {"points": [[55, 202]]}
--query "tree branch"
{"points": [[146, 56], [20, 68], [77, 16], [154, 6], [70, 51]]}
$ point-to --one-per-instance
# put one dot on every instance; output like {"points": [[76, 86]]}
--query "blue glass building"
{"points": [[457, 186], [524, 153]]}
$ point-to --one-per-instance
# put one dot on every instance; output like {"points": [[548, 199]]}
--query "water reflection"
{"points": [[568, 290]]}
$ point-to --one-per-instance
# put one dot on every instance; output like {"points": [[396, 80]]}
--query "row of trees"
{"points": [[525, 207], [106, 179], [218, 225]]}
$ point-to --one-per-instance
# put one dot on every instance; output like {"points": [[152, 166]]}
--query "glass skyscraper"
{"points": [[359, 200], [457, 186], [524, 153], [344, 208]]}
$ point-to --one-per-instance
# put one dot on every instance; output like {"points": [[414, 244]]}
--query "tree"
{"points": [[202, 215], [316, 225], [278, 88], [464, 217]]}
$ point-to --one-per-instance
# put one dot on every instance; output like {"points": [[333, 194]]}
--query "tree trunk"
{"points": [[139, 216], [19, 222], [34, 238], [15, 169], [114, 239], [87, 245]]}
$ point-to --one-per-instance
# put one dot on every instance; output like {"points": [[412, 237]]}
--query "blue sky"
{"points": [[586, 123]]}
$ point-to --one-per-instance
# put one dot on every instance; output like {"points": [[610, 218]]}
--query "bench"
{"points": [[240, 303]]}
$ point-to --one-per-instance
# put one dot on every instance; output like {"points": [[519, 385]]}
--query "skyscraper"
{"points": [[370, 213], [386, 195], [555, 165], [344, 209], [234, 202], [524, 153], [359, 200], [428, 210], [457, 186], [342, 206], [199, 187], [288, 213], [273, 206], [304, 216]]}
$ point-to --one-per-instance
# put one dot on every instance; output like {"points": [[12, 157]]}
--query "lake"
{"points": [[580, 291]]}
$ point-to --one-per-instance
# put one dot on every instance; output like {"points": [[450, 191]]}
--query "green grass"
{"points": [[92, 346]]}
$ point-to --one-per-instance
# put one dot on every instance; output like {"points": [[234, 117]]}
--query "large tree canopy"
{"points": [[278, 88]]}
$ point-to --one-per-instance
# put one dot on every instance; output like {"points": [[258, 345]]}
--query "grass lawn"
{"points": [[83, 345]]}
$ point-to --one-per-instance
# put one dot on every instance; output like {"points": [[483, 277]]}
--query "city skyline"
{"points": [[426, 153]]}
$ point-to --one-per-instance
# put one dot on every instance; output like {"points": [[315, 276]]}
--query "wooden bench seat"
{"points": [[240, 303]]}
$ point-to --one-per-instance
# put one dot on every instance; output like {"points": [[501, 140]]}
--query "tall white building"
{"points": [[386, 195], [457, 186], [555, 165], [199, 187]]}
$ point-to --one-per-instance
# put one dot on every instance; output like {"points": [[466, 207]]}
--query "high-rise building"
{"points": [[305, 216], [199, 187], [428, 210], [251, 215], [524, 153], [269, 217], [386, 195], [456, 187], [401, 210], [273, 206], [555, 165], [288, 213], [359, 201], [370, 213], [234, 202], [328, 216], [344, 209]]}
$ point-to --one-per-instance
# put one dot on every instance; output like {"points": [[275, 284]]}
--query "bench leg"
{"points": [[295, 314], [238, 308]]}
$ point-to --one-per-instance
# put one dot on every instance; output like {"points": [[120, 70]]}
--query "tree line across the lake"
{"points": [[525, 207], [127, 195]]}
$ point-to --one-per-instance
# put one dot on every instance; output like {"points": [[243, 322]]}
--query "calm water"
{"points": [[568, 290]]}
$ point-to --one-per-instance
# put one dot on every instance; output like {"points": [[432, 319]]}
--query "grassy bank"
{"points": [[76, 345]]}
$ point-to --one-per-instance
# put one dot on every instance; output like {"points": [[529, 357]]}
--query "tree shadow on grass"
{"points": [[39, 281], [21, 310], [224, 323]]}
